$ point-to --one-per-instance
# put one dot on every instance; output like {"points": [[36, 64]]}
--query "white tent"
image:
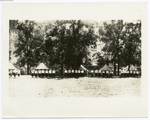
{"points": [[126, 69], [105, 68], [41, 66], [12, 67], [132, 68]]}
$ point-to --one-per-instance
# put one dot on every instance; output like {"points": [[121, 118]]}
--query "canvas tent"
{"points": [[11, 67], [13, 70], [124, 70], [40, 70], [41, 66], [132, 68], [106, 71], [105, 68]]}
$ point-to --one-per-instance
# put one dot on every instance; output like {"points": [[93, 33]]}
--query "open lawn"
{"points": [[26, 86]]}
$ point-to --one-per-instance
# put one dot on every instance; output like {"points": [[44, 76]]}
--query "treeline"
{"points": [[123, 42], [65, 43]]}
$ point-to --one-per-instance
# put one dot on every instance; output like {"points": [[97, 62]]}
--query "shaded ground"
{"points": [[26, 86]]}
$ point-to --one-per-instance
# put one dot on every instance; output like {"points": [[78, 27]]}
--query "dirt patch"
{"points": [[26, 86]]}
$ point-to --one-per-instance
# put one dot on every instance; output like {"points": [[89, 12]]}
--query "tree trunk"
{"points": [[118, 64], [129, 68], [129, 61], [27, 52], [62, 64], [27, 67], [115, 65], [107, 61]]}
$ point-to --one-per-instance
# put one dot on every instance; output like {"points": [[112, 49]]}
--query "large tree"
{"points": [[29, 39], [122, 42], [112, 34], [67, 41], [132, 47]]}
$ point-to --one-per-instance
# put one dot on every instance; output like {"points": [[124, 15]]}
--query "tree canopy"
{"points": [[122, 42], [65, 43]]}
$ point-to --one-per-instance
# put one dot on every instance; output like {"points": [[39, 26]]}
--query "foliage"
{"points": [[29, 40], [65, 43], [100, 59], [122, 42], [132, 47], [69, 40], [112, 33]]}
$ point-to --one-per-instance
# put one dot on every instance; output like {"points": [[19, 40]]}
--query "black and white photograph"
{"points": [[74, 60], [79, 58]]}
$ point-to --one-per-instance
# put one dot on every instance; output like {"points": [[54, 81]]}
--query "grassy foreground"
{"points": [[26, 86]]}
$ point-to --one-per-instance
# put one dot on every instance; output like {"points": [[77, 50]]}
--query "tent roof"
{"points": [[132, 67], [105, 67], [11, 66], [83, 68], [41, 66]]}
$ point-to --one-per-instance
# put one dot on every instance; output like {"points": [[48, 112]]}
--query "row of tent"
{"points": [[106, 71], [43, 71]]}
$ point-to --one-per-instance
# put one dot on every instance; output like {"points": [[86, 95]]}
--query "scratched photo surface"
{"points": [[74, 58]]}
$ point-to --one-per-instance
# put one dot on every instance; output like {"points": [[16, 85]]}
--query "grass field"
{"points": [[26, 86]]}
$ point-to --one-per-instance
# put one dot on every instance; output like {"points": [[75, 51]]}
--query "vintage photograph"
{"points": [[75, 58]]}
